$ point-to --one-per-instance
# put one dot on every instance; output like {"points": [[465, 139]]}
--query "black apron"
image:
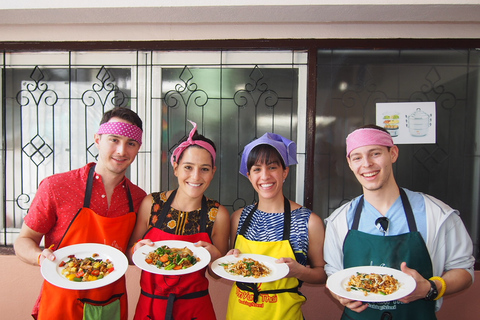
{"points": [[363, 249]]}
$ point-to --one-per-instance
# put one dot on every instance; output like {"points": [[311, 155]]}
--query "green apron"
{"points": [[363, 249]]}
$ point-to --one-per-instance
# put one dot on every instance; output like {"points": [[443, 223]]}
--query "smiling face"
{"points": [[267, 176], [115, 152], [194, 171], [372, 166]]}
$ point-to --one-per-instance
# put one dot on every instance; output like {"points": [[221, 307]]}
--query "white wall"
{"points": [[138, 20]]}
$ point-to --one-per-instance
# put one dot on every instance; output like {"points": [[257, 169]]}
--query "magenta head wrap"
{"points": [[368, 137], [285, 147], [122, 129], [190, 142]]}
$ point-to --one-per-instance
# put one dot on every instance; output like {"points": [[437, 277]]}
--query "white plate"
{"points": [[278, 270], [338, 281], [199, 252], [52, 272]]}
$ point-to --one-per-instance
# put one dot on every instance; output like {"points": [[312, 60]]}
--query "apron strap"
{"points": [[167, 205], [87, 200], [408, 211], [412, 226], [253, 287], [88, 191], [287, 218], [358, 212], [171, 299], [169, 310]]}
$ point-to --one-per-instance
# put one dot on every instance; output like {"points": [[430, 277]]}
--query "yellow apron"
{"points": [[283, 301]]}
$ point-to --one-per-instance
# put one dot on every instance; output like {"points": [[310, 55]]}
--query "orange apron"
{"points": [[277, 300], [87, 226], [175, 297]]}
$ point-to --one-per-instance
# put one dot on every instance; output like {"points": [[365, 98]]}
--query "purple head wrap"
{"points": [[184, 145], [368, 137], [122, 129], [285, 147]]}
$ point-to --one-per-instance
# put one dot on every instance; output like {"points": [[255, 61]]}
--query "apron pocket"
{"points": [[110, 311]]}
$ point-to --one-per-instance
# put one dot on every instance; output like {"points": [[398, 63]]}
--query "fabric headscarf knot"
{"points": [[285, 147], [189, 142], [368, 137]]}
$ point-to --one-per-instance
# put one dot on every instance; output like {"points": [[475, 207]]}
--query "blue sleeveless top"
{"points": [[268, 227]]}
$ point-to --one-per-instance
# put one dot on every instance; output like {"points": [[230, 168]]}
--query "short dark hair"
{"points": [[264, 153], [374, 126], [122, 113], [197, 136]]}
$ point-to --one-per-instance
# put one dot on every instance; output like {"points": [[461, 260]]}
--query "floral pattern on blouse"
{"points": [[181, 222]]}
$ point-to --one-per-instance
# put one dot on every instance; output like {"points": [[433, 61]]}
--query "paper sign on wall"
{"points": [[408, 122]]}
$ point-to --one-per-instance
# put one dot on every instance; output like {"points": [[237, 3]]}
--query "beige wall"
{"points": [[145, 20], [20, 284]]}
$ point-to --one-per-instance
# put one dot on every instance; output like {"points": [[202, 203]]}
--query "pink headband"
{"points": [[122, 129], [184, 145], [368, 137]]}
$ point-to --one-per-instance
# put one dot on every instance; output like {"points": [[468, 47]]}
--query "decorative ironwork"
{"points": [[37, 91], [93, 154], [367, 85], [431, 157], [255, 92], [186, 93], [105, 91], [433, 91], [23, 199], [37, 150]]}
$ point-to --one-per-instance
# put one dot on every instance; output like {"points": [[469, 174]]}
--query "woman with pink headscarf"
{"points": [[182, 214]]}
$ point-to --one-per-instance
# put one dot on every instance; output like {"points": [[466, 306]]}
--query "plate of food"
{"points": [[171, 257], [371, 284], [85, 266], [251, 268]]}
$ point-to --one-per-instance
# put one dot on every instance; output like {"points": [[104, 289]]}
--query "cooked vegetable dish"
{"points": [[373, 283], [86, 269], [172, 258], [247, 267]]}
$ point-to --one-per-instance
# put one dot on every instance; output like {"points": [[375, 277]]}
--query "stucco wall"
{"points": [[20, 284], [144, 20]]}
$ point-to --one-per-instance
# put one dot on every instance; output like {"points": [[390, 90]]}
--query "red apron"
{"points": [[87, 226], [175, 297]]}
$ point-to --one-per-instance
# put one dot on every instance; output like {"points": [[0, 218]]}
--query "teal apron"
{"points": [[363, 249]]}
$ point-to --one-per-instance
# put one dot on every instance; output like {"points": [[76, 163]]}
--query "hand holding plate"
{"points": [[422, 285]]}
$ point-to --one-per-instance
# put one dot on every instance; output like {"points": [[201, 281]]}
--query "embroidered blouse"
{"points": [[181, 222]]}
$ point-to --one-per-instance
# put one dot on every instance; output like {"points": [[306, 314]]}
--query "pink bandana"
{"points": [[184, 145], [368, 137], [122, 129]]}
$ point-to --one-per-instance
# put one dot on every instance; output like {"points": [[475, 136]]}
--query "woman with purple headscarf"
{"points": [[278, 227]]}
